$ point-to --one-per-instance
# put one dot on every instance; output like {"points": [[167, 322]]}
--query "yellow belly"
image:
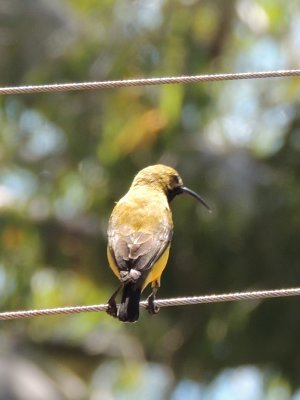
{"points": [[155, 272], [157, 269]]}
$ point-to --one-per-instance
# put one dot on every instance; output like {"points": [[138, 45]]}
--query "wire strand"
{"points": [[178, 301], [67, 87]]}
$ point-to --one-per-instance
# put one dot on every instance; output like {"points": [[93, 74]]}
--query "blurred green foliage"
{"points": [[66, 158]]}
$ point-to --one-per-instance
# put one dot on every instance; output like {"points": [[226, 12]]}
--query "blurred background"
{"points": [[66, 158]]}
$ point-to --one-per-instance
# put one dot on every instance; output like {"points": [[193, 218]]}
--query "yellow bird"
{"points": [[140, 231]]}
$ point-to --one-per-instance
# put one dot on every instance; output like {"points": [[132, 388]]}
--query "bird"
{"points": [[140, 231]]}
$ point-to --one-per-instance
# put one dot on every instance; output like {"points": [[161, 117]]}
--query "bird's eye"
{"points": [[175, 179]]}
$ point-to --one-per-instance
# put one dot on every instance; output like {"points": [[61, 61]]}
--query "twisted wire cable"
{"points": [[178, 301], [68, 87]]}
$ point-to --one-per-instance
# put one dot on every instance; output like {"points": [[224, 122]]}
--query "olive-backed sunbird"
{"points": [[140, 231]]}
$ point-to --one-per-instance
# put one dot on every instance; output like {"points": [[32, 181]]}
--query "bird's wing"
{"points": [[140, 249]]}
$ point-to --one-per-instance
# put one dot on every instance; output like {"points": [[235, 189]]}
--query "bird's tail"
{"points": [[129, 309]]}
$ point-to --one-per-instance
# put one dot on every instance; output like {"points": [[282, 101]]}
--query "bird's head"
{"points": [[165, 178]]}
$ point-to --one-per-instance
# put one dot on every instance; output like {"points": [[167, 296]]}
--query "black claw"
{"points": [[151, 307], [112, 308]]}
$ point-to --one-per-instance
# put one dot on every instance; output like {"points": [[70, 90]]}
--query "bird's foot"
{"points": [[112, 308], [151, 307]]}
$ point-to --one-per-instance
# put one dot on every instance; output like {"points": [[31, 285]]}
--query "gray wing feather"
{"points": [[138, 250]]}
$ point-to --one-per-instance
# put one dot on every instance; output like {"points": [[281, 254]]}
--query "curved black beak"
{"points": [[184, 189]]}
